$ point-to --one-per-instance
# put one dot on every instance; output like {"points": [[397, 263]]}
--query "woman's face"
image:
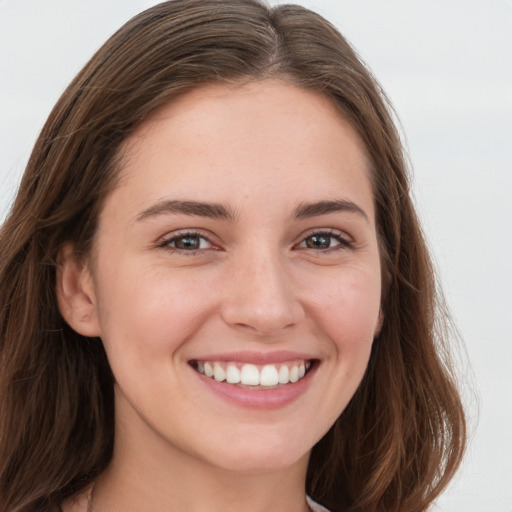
{"points": [[241, 241]]}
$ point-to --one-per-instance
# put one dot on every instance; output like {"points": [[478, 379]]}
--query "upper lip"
{"points": [[246, 356]]}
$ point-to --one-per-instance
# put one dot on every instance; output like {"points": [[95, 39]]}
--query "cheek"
{"points": [[345, 307], [151, 314], [348, 304]]}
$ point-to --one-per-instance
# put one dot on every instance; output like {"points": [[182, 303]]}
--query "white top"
{"points": [[315, 507]]}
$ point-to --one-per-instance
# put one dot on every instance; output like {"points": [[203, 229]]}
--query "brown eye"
{"points": [[319, 242], [188, 242], [323, 242]]}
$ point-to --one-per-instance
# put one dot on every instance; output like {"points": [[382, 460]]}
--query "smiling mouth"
{"points": [[254, 376]]}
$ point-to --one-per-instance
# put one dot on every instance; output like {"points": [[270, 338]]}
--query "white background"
{"points": [[447, 66]]}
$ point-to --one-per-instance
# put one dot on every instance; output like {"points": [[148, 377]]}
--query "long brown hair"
{"points": [[402, 436]]}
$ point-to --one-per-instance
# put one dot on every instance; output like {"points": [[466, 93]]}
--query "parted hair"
{"points": [[402, 436]]}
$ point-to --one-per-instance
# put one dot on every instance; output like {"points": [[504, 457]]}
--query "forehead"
{"points": [[267, 105], [267, 136]]}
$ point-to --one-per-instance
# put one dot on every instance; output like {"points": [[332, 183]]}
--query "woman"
{"points": [[215, 291]]}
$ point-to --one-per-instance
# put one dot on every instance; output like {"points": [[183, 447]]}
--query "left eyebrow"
{"points": [[305, 210]]}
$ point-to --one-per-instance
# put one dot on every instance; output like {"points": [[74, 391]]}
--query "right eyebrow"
{"points": [[195, 208]]}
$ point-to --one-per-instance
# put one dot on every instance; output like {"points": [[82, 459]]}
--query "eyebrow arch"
{"points": [[323, 207], [211, 210]]}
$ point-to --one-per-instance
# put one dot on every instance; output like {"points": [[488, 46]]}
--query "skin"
{"points": [[258, 283]]}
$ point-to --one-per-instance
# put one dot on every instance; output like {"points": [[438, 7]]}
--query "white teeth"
{"points": [[250, 376], [232, 374], [269, 375], [284, 375], [218, 372], [208, 370], [294, 374]]}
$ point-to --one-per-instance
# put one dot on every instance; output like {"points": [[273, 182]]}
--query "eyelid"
{"points": [[326, 231]]}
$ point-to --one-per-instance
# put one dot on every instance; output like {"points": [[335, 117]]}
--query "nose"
{"points": [[259, 296]]}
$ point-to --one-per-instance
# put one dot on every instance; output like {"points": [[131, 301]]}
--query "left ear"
{"points": [[76, 293]]}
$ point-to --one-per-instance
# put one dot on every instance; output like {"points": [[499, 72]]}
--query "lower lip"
{"points": [[273, 398]]}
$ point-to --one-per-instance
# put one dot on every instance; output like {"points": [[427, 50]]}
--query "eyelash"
{"points": [[342, 244]]}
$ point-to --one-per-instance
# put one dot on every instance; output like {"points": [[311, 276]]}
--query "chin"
{"points": [[262, 455]]}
